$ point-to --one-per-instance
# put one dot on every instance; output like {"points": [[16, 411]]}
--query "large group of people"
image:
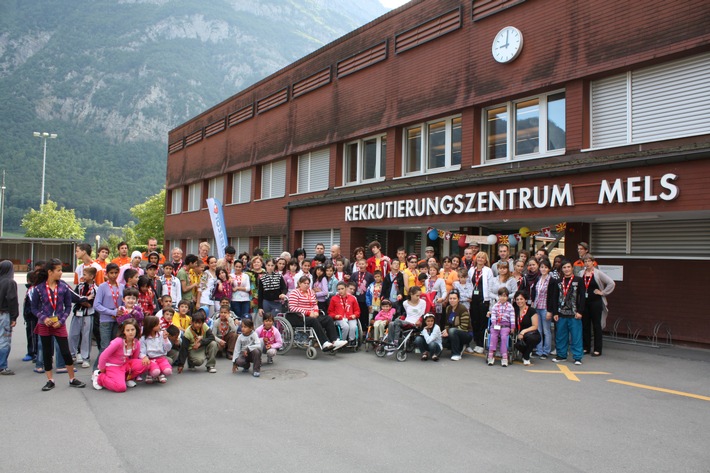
{"points": [[150, 315]]}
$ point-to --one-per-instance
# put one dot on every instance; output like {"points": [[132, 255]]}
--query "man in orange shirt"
{"points": [[152, 247], [122, 258], [101, 259]]}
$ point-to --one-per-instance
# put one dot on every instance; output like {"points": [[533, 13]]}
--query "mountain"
{"points": [[111, 77]]}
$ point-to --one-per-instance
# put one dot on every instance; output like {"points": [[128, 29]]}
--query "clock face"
{"points": [[507, 44]]}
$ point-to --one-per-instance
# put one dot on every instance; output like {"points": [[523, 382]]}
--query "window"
{"points": [[312, 237], [241, 187], [240, 244], [313, 171], [192, 247], [216, 189], [273, 180], [273, 245], [194, 196], [652, 104], [176, 200], [433, 146], [364, 160], [527, 128]]}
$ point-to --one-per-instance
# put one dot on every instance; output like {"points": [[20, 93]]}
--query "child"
{"points": [[320, 287], [332, 280], [83, 320], [413, 310], [166, 319], [465, 288], [146, 296], [120, 362], [155, 345], [362, 280], [502, 316], [429, 340], [131, 277], [130, 308], [225, 331], [171, 284], [182, 320], [166, 302], [382, 319], [174, 338], [345, 311], [198, 345], [374, 294], [271, 338], [339, 273], [223, 288], [247, 350]]}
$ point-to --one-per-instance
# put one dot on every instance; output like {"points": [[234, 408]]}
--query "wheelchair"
{"points": [[300, 336], [513, 353], [355, 344], [405, 346]]}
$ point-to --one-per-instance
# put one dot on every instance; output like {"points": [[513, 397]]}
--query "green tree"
{"points": [[151, 218], [50, 222]]}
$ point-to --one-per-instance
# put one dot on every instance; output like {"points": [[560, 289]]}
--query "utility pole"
{"points": [[2, 204]]}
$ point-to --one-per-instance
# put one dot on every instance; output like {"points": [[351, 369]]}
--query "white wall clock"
{"points": [[507, 44]]}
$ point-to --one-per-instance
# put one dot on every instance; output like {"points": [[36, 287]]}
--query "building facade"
{"points": [[576, 121]]}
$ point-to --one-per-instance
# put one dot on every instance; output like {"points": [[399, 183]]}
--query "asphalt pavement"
{"points": [[633, 409]]}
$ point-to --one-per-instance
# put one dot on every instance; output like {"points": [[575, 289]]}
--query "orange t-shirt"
{"points": [[161, 260], [121, 260]]}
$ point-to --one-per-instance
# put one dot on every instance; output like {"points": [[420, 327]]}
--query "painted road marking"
{"points": [[663, 390], [569, 374]]}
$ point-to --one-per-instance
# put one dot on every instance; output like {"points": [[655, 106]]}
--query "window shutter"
{"points": [[266, 172], [273, 245], [610, 111], [304, 172], [609, 239], [312, 237], [245, 186], [320, 166], [278, 179], [671, 238]]}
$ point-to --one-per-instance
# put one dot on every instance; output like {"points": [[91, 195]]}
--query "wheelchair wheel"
{"points": [[311, 353], [401, 355], [380, 350], [286, 331]]}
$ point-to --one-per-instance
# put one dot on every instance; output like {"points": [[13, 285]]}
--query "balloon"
{"points": [[433, 234], [512, 241], [462, 241], [492, 239], [524, 232]]}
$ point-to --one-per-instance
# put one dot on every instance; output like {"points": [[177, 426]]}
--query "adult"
{"points": [[527, 320], [358, 254], [302, 302], [51, 304], [448, 273], [542, 254], [320, 249], [480, 276], [503, 255], [335, 254], [504, 279], [519, 276], [271, 291], [428, 254], [393, 286], [455, 262], [468, 261], [187, 287], [102, 257], [176, 259], [402, 257], [597, 286], [241, 291], [378, 261], [134, 264], [582, 251], [208, 280], [83, 254], [245, 259], [228, 261], [9, 311], [411, 275], [152, 247], [531, 275], [299, 255], [122, 258], [457, 331], [566, 303], [203, 251], [538, 294]]}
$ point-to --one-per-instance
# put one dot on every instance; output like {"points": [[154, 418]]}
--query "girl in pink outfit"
{"points": [[155, 346], [120, 362], [502, 317]]}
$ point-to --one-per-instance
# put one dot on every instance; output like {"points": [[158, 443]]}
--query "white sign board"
{"points": [[615, 272]]}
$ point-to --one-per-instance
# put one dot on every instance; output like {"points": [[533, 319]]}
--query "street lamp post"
{"points": [[98, 243], [44, 135], [2, 204]]}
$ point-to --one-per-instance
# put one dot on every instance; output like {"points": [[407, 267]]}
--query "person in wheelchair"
{"points": [[345, 311], [414, 310], [302, 302]]}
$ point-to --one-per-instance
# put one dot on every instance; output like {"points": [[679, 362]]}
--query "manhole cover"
{"points": [[283, 375]]}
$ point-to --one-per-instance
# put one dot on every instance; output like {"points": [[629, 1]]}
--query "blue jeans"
{"points": [[457, 340], [240, 309], [567, 326], [433, 348], [5, 339], [544, 326], [107, 330]]}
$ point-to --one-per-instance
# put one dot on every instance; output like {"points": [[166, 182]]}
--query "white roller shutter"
{"points": [[610, 111], [273, 245], [312, 237], [313, 170]]}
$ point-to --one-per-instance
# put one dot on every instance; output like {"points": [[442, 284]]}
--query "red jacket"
{"points": [[384, 265], [347, 308]]}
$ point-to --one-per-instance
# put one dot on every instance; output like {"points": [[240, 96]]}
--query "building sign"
{"points": [[632, 189]]}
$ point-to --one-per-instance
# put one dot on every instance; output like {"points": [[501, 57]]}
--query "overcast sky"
{"points": [[393, 3]]}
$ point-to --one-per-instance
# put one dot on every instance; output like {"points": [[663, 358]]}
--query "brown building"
{"points": [[476, 118]]}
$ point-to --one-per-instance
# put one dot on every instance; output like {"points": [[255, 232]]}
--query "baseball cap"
{"points": [[429, 248]]}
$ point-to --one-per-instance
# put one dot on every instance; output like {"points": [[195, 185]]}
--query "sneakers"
{"points": [[339, 344], [162, 379], [578, 362], [131, 384], [211, 369], [543, 357], [526, 362], [256, 374], [148, 379], [478, 350], [95, 380], [456, 358], [49, 386], [392, 347], [139, 379], [86, 364], [490, 361], [28, 358], [269, 360], [504, 362], [79, 359], [553, 352], [559, 360], [469, 350], [7, 372], [75, 383], [327, 346]]}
